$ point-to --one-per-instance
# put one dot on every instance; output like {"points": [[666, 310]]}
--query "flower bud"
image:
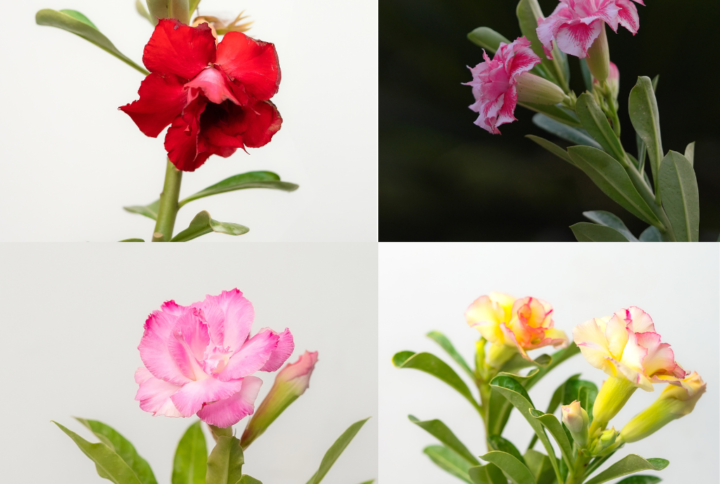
{"points": [[604, 441], [290, 383], [676, 401], [576, 420], [613, 395], [598, 59], [536, 90]]}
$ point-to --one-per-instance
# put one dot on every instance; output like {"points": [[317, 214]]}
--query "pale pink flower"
{"points": [[494, 83], [575, 24], [199, 359]]}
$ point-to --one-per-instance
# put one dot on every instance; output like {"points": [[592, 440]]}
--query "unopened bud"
{"points": [[604, 441], [576, 420], [536, 90]]}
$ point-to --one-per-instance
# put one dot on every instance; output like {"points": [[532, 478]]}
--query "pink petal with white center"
{"points": [[229, 317], [548, 27], [282, 352], [153, 347], [154, 394], [215, 85], [628, 15], [576, 38], [191, 397], [228, 412], [253, 355]]}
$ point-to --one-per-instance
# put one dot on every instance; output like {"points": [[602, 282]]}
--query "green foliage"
{"points": [[552, 148], [539, 464], [610, 220], [628, 465], [651, 234], [645, 119], [680, 198], [202, 224], [190, 462], [224, 465], [440, 431], [641, 479], [447, 460], [553, 425], [596, 124], [585, 232], [563, 131], [243, 181], [497, 442], [335, 450], [487, 474], [528, 13], [142, 11], [511, 466], [487, 38], [445, 344]]}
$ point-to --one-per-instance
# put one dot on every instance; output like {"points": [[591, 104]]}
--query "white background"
{"points": [[73, 317], [70, 160], [428, 287]]}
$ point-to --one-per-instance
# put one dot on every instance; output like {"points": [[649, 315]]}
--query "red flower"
{"points": [[215, 97]]}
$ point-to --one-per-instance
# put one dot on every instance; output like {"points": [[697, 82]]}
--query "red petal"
{"points": [[175, 48], [162, 99], [261, 125], [181, 141], [251, 62], [217, 87]]}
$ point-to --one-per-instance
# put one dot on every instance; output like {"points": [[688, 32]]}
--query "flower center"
{"points": [[216, 359]]}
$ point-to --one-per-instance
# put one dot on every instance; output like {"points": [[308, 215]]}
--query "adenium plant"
{"points": [[214, 95], [625, 346], [533, 71], [200, 360]]}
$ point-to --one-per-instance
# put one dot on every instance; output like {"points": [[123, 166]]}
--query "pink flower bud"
{"points": [[576, 420]]}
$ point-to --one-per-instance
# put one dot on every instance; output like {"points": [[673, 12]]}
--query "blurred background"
{"points": [[442, 178]]}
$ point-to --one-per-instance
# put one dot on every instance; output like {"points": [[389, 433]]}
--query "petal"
{"points": [[231, 410], [592, 343], [616, 332], [229, 318], [181, 140], [660, 359], [282, 352], [252, 356], [633, 354], [162, 99], [576, 38], [638, 320], [154, 394], [177, 49], [511, 340], [215, 85], [547, 28], [191, 397], [154, 350], [628, 15], [251, 62], [260, 124]]}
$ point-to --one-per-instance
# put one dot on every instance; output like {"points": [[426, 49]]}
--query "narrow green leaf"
{"points": [[528, 13], [680, 198], [552, 148], [596, 124], [517, 362], [559, 396], [628, 465], [553, 425], [253, 179], [487, 474], [191, 457], [108, 463], [539, 465], [79, 25], [518, 397], [690, 153], [158, 8], [651, 234], [445, 343], [554, 112], [447, 460], [251, 480], [440, 431], [558, 357], [645, 118], [607, 173], [610, 220], [224, 466], [641, 479], [202, 224], [149, 211], [587, 75], [563, 131], [433, 365], [586, 232], [122, 447], [511, 466], [487, 38], [498, 442], [335, 450], [140, 8], [132, 240]]}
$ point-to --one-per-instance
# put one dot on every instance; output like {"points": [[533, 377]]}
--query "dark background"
{"points": [[442, 178]]}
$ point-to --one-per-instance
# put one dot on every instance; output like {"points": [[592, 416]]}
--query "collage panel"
{"points": [[620, 344], [110, 335]]}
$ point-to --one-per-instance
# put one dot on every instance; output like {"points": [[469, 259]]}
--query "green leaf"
{"points": [[447, 460], [582, 390], [78, 24], [253, 179], [645, 119], [122, 447], [224, 466], [690, 153], [158, 8], [587, 75], [552, 148], [641, 479], [487, 474], [180, 9], [497, 442], [487, 38], [108, 463], [335, 450], [440, 431], [596, 124], [613, 180], [528, 13], [433, 365], [586, 232], [553, 425], [610, 220], [445, 343], [554, 112], [558, 357], [190, 457], [563, 131], [651, 234], [680, 198], [518, 397], [194, 5], [517, 362], [628, 465], [202, 224], [251, 480], [539, 465], [511, 466], [150, 210], [144, 13], [132, 240]]}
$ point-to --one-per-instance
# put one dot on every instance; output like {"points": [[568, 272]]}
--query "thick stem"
{"points": [[168, 204], [578, 471]]}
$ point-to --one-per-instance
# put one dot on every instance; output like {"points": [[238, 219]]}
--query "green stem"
{"points": [[168, 204], [577, 474]]}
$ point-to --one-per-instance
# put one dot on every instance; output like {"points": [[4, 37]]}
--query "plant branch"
{"points": [[167, 212]]}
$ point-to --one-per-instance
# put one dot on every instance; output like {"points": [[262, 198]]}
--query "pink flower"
{"points": [[494, 83], [575, 24], [199, 359]]}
